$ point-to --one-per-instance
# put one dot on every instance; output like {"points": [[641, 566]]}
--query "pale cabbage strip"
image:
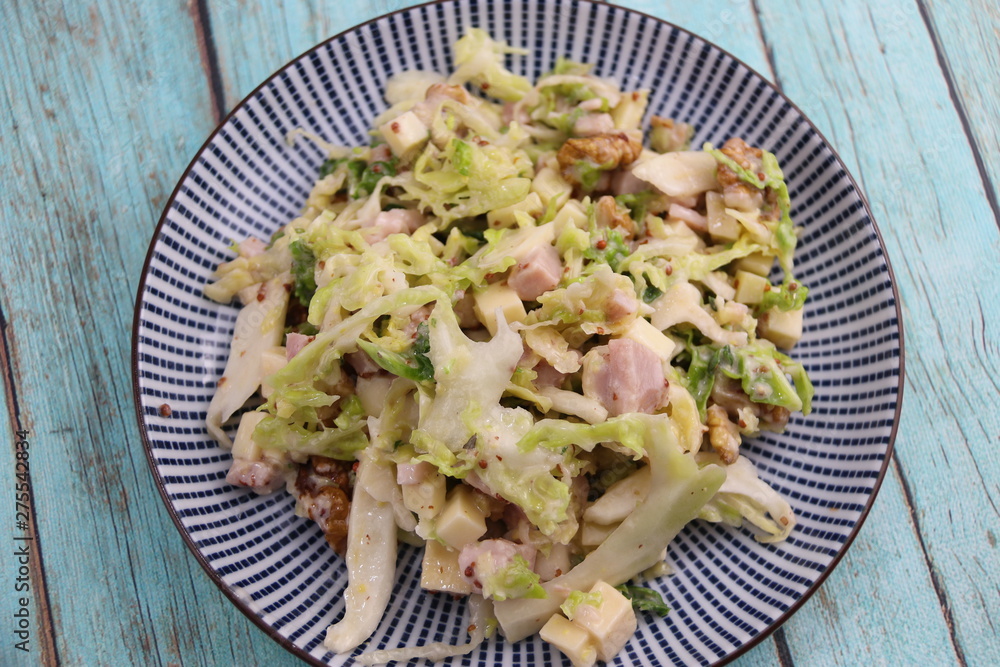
{"points": [[259, 327], [371, 566], [678, 491]]}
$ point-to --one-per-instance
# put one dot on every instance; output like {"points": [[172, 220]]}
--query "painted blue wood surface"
{"points": [[109, 101]]}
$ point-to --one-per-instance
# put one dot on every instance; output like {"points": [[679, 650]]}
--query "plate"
{"points": [[728, 591]]}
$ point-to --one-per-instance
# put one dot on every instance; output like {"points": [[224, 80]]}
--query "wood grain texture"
{"points": [[871, 80], [109, 103], [111, 100], [967, 38]]}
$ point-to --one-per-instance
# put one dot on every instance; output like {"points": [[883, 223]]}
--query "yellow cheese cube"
{"points": [[571, 639], [461, 521], [571, 213], [498, 295], [783, 328], [426, 499], [750, 287], [404, 133], [723, 227], [757, 262], [440, 572], [610, 624], [549, 184], [628, 113], [641, 331]]}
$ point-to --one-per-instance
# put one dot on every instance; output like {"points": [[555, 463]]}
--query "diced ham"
{"points": [[393, 221], [381, 153], [262, 476], [416, 318], [548, 376], [619, 305], [465, 309], [476, 482], [251, 247], [294, 343], [696, 221], [362, 363], [413, 473], [477, 560], [624, 376], [593, 123], [624, 182], [539, 272]]}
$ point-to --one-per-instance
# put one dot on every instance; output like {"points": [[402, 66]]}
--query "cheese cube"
{"points": [[498, 295], [271, 361], [243, 445], [610, 624], [571, 639], [504, 217], [426, 499], [641, 331], [757, 262], [571, 213], [549, 184], [628, 113], [404, 133], [461, 521], [750, 287], [440, 572], [723, 227], [783, 328]]}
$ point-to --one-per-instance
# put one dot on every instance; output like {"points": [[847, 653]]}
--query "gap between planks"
{"points": [[963, 117], [932, 571], [209, 58], [45, 624]]}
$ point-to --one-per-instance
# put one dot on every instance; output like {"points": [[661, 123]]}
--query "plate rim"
{"points": [[241, 604]]}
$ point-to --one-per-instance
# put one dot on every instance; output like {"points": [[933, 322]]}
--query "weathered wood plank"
{"points": [[107, 103], [870, 79], [967, 37], [253, 40]]}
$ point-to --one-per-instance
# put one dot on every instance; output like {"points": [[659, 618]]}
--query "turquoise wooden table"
{"points": [[105, 103]]}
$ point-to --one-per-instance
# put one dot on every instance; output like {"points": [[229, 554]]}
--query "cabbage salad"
{"points": [[519, 334]]}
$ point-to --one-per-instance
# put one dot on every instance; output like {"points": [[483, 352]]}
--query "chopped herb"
{"points": [[413, 363], [330, 166], [651, 293], [303, 271], [362, 177], [644, 599]]}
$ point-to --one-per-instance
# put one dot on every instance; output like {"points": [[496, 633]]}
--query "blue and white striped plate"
{"points": [[728, 591]]}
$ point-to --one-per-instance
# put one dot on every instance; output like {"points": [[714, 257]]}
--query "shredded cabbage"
{"points": [[460, 305]]}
